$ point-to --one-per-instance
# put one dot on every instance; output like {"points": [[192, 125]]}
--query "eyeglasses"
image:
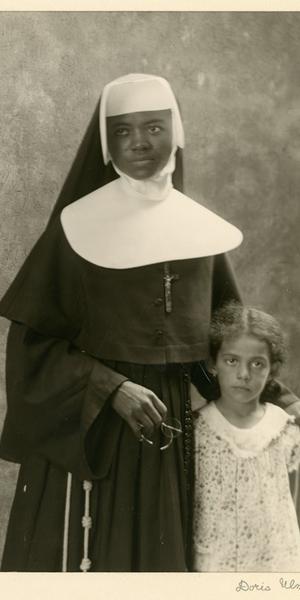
{"points": [[170, 428]]}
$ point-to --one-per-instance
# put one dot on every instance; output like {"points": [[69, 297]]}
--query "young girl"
{"points": [[244, 517]]}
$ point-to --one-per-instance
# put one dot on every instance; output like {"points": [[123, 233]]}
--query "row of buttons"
{"points": [[159, 332]]}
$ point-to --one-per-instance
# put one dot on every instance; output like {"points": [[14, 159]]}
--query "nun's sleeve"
{"points": [[282, 396], [54, 391], [55, 394]]}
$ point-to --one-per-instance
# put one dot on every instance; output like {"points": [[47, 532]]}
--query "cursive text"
{"points": [[290, 584], [244, 586]]}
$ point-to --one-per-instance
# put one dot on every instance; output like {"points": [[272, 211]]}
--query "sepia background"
{"points": [[236, 76]]}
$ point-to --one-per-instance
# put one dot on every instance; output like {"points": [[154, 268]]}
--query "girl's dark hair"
{"points": [[234, 319]]}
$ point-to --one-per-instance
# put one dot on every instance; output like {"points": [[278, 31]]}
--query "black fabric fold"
{"points": [[54, 395]]}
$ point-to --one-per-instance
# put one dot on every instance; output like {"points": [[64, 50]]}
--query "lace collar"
{"points": [[247, 442]]}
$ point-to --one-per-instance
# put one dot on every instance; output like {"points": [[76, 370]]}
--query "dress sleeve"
{"points": [[55, 396], [291, 441]]}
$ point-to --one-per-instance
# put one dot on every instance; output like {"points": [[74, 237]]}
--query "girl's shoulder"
{"points": [[276, 424]]}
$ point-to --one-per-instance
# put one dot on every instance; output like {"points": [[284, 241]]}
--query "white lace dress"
{"points": [[244, 517]]}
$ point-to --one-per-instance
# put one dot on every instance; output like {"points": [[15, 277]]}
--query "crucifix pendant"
{"points": [[168, 280]]}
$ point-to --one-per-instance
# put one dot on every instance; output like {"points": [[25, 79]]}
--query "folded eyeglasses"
{"points": [[170, 428]]}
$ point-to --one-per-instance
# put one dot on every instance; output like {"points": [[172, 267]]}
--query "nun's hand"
{"points": [[140, 408], [294, 409]]}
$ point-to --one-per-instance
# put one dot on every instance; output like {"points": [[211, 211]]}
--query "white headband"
{"points": [[137, 93]]}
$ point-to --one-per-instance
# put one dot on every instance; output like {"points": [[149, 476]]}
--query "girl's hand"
{"points": [[139, 407]]}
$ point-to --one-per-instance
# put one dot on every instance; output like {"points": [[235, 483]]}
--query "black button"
{"points": [[158, 301], [159, 332]]}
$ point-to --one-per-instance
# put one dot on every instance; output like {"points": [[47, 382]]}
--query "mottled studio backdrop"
{"points": [[237, 79]]}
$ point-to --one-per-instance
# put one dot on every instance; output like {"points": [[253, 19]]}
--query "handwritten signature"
{"points": [[287, 584]]}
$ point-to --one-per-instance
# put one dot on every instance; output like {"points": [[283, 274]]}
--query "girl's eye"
{"points": [[257, 364], [231, 361]]}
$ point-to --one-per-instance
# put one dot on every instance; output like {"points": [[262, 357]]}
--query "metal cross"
{"points": [[168, 280]]}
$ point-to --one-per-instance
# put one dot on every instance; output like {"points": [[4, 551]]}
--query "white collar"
{"points": [[247, 442], [118, 228]]}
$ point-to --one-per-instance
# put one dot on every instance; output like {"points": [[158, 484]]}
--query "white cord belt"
{"points": [[86, 521], [66, 524]]}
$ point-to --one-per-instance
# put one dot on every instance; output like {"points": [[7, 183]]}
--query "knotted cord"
{"points": [[86, 563]]}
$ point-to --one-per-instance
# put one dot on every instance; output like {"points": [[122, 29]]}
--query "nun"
{"points": [[109, 327]]}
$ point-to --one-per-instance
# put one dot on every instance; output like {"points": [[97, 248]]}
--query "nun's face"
{"points": [[140, 143]]}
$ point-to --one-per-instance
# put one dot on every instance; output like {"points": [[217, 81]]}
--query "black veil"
{"points": [[39, 283]]}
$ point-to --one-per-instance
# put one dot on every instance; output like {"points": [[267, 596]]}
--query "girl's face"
{"points": [[140, 143], [243, 367]]}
